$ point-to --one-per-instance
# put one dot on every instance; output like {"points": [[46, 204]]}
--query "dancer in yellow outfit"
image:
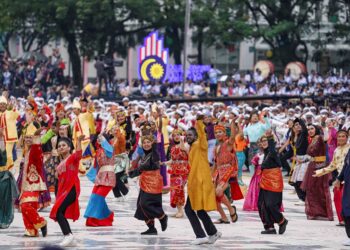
{"points": [[201, 190], [83, 125], [8, 119]]}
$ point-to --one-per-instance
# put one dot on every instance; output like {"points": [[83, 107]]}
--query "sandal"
{"points": [[234, 216], [221, 221]]}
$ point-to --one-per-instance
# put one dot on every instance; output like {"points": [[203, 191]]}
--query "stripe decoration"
{"points": [[153, 59]]}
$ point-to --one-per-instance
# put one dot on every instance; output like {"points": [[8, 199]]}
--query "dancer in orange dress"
{"points": [[225, 168]]}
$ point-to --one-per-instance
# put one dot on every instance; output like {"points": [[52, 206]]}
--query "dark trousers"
{"points": [[120, 188], [196, 225], [301, 194], [213, 89], [284, 156], [347, 225], [269, 205], [62, 221]]}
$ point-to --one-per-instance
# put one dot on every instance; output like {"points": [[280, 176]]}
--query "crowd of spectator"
{"points": [[37, 75]]}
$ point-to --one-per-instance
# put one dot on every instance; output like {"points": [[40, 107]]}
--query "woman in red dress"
{"points": [[67, 203], [318, 203], [179, 169]]}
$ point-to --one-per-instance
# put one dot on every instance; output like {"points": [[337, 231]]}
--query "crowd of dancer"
{"points": [[202, 149]]}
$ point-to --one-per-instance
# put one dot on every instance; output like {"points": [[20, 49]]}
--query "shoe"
{"points": [[340, 224], [347, 242], [234, 216], [44, 230], [213, 238], [200, 241], [283, 227], [164, 222], [150, 231], [67, 240], [221, 221], [269, 231]]}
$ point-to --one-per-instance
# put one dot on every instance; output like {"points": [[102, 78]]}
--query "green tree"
{"points": [[220, 22], [283, 25], [173, 21]]}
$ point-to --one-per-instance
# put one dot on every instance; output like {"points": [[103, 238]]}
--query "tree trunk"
{"points": [[75, 59], [177, 46], [199, 47]]}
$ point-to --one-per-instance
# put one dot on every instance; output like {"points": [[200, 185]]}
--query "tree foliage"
{"points": [[95, 27]]}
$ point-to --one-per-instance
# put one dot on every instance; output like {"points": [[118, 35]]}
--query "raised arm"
{"points": [[271, 143], [202, 137], [234, 132]]}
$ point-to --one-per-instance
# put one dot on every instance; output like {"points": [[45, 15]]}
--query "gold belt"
{"points": [[179, 162], [318, 159], [107, 168], [224, 165], [4, 168]]}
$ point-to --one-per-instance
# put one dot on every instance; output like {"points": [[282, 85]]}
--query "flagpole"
{"points": [[187, 26]]}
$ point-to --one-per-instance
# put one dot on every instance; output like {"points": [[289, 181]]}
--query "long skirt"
{"points": [[149, 206], [163, 167], [177, 190], [251, 199], [8, 195], [97, 213], [269, 205], [338, 196], [299, 169], [318, 203], [51, 175], [241, 160]]}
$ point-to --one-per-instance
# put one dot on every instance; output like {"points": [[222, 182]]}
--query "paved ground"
{"points": [[245, 234]]}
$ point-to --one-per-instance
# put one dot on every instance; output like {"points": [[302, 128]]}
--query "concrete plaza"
{"points": [[125, 233]]}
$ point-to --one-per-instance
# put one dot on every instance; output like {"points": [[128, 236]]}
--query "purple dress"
{"points": [[251, 199], [160, 146]]}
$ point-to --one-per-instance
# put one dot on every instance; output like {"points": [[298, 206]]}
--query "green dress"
{"points": [[8, 193]]}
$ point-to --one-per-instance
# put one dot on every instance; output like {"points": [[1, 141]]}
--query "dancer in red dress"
{"points": [[179, 169], [67, 203]]}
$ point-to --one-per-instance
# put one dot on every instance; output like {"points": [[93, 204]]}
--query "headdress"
{"points": [[59, 107], [76, 105], [343, 131], [3, 99], [220, 127], [32, 104]]}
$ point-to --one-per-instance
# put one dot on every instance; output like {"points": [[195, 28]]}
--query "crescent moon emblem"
{"points": [[144, 67]]}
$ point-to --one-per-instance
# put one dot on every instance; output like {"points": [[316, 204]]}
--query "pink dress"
{"points": [[251, 199], [332, 143]]}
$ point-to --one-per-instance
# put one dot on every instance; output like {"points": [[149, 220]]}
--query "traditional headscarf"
{"points": [[220, 127], [59, 107], [33, 105]]}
